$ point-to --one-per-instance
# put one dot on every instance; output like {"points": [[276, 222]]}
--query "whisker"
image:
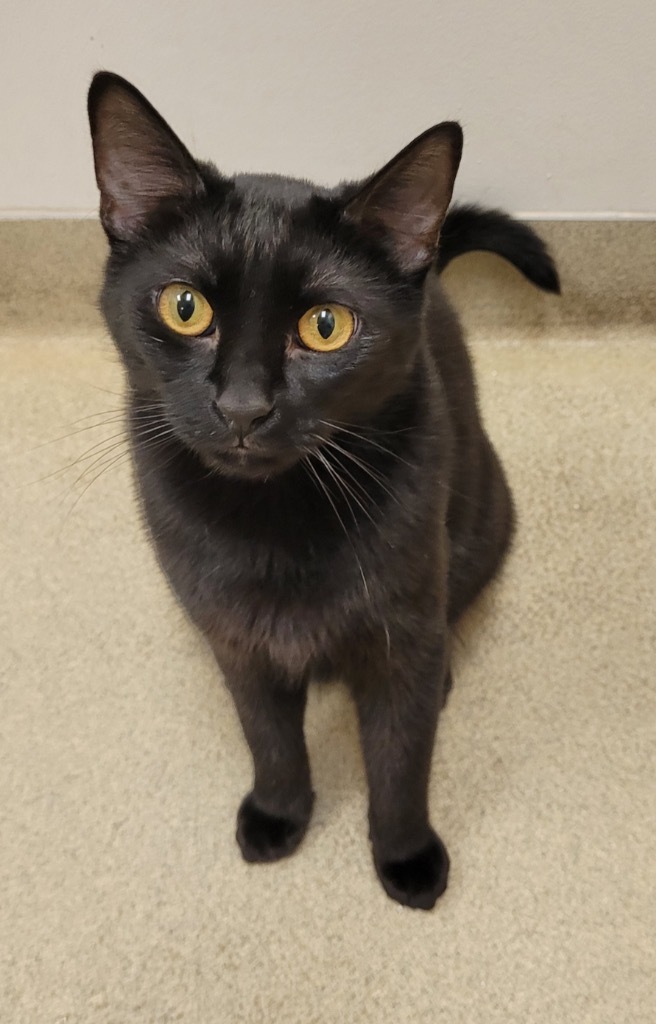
{"points": [[107, 391], [105, 448], [373, 473], [368, 428], [146, 417], [122, 409], [89, 453], [376, 476], [340, 481], [104, 468], [72, 433], [104, 463], [367, 469], [344, 488], [367, 440], [100, 458], [313, 470]]}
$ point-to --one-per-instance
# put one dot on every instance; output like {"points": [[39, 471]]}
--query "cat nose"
{"points": [[245, 416]]}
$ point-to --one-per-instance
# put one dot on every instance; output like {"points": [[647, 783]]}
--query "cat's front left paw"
{"points": [[419, 880], [264, 837]]}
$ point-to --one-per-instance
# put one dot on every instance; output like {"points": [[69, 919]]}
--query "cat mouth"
{"points": [[250, 463]]}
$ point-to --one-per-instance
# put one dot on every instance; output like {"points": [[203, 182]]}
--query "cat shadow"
{"points": [[471, 627], [464, 788], [334, 749], [471, 764]]}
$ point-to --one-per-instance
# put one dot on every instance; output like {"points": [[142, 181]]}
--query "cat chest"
{"points": [[294, 611]]}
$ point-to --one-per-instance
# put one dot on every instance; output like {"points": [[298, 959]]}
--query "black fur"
{"points": [[469, 228], [349, 527]]}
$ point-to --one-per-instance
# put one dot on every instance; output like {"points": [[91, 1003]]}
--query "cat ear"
{"points": [[405, 204], [140, 162]]}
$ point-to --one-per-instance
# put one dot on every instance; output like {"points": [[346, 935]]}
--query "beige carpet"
{"points": [[123, 897]]}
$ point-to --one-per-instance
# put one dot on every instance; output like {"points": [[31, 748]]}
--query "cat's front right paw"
{"points": [[265, 837], [419, 880]]}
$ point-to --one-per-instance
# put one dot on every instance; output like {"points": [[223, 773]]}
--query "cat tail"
{"points": [[470, 228]]}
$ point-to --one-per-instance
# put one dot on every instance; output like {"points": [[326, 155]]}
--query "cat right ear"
{"points": [[404, 205], [140, 163]]}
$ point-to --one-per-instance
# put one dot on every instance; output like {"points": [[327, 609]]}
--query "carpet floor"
{"points": [[124, 897]]}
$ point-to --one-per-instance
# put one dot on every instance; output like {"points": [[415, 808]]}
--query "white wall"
{"points": [[557, 97]]}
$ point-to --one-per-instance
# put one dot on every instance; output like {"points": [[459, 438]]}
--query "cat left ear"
{"points": [[140, 162], [404, 205]]}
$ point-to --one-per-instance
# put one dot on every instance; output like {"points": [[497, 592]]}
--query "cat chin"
{"points": [[247, 465]]}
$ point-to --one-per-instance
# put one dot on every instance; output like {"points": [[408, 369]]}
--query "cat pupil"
{"points": [[325, 324], [186, 306]]}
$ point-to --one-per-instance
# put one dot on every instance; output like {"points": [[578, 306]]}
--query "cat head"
{"points": [[258, 312]]}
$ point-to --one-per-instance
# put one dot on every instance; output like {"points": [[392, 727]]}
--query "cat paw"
{"points": [[417, 881], [264, 837]]}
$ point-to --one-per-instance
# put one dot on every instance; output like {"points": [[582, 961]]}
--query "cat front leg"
{"points": [[274, 816], [399, 691]]}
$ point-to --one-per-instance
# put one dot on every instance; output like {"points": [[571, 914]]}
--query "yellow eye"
{"points": [[326, 328], [185, 310]]}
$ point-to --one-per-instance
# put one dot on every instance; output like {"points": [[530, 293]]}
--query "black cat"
{"points": [[310, 458]]}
